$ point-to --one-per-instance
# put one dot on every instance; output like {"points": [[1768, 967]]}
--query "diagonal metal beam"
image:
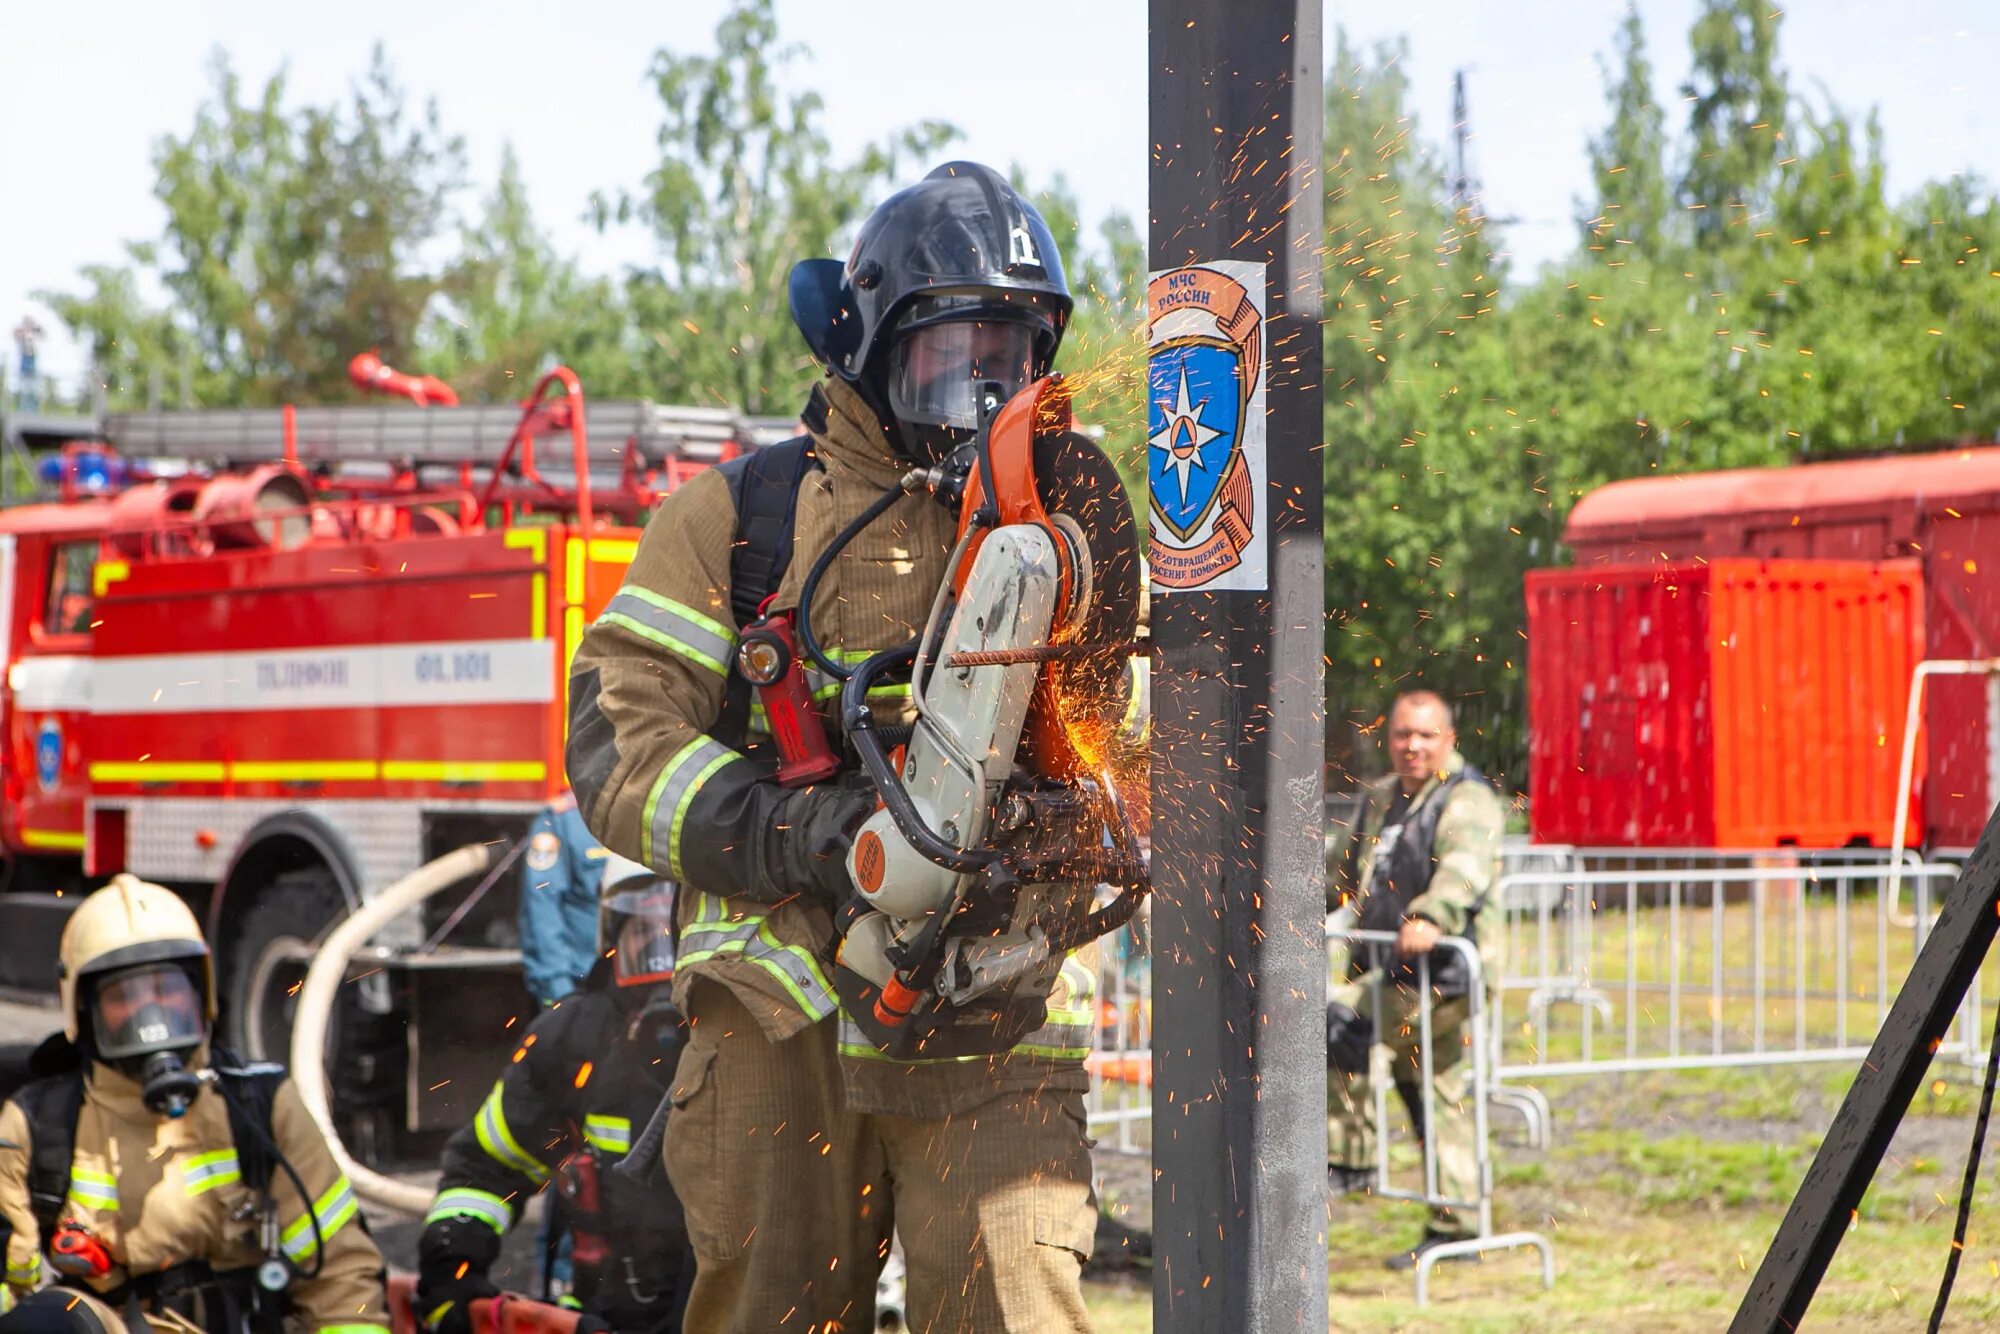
{"points": [[1821, 1212]]}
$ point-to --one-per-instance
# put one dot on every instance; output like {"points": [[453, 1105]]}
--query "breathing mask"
{"points": [[145, 1021]]}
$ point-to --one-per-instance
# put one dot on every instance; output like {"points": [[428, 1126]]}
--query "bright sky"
{"points": [[1057, 87]]}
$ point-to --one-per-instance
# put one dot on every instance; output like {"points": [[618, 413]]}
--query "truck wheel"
{"points": [[265, 959]]}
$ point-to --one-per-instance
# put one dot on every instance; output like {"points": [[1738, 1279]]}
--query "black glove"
{"points": [[444, 1303], [453, 1257], [806, 841], [1348, 1038]]}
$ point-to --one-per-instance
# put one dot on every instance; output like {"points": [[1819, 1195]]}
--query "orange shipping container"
{"points": [[1739, 703]]}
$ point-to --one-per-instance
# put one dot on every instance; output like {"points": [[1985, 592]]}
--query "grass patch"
{"points": [[1660, 1197]]}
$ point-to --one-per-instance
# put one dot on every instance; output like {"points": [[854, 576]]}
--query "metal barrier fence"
{"points": [[1120, 1101], [1623, 960], [1701, 966], [1428, 1190]]}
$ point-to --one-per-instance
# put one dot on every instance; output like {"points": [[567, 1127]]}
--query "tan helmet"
{"points": [[128, 921]]}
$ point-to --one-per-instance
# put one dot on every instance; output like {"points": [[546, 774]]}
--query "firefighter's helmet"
{"points": [[635, 923], [122, 928], [953, 284]]}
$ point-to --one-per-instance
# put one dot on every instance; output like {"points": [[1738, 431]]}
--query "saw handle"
{"points": [[859, 719]]}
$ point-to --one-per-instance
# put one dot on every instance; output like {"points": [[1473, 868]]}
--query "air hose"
{"points": [[322, 987]]}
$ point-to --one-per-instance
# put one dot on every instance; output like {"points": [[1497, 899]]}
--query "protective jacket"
{"points": [[647, 692], [560, 873], [1437, 860], [588, 1074], [162, 1195]]}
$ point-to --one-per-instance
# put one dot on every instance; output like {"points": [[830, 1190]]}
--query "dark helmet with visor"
{"points": [[953, 284], [635, 924]]}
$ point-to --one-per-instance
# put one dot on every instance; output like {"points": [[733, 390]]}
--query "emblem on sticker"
{"points": [[48, 754], [543, 850], [1205, 426]]}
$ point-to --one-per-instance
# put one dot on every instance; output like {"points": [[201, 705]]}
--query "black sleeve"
{"points": [[524, 1127]]}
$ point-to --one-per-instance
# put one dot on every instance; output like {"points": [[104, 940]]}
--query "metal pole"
{"points": [[1239, 1147]]}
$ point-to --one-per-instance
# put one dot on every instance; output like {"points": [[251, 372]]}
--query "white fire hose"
{"points": [[322, 987]]}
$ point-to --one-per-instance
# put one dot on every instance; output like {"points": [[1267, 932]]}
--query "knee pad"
{"points": [[52, 1311], [1348, 1038]]}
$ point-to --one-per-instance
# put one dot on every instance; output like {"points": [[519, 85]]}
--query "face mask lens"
{"points": [[642, 943], [149, 1008], [936, 372]]}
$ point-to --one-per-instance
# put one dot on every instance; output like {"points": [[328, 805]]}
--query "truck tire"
{"points": [[264, 960]]}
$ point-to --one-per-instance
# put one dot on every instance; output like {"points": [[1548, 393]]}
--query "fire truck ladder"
{"points": [[398, 436]]}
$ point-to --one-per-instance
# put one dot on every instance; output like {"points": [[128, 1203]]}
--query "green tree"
{"points": [[294, 239], [511, 307], [131, 345], [1420, 461], [1737, 121], [1628, 161], [746, 185], [1103, 357]]}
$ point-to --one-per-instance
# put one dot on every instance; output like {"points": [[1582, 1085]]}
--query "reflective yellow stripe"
{"points": [[748, 937], [204, 1172], [27, 1273], [1063, 1036], [613, 1134], [464, 771], [334, 1209], [96, 1190], [465, 1202], [612, 550], [671, 625], [317, 771], [106, 573], [672, 793], [498, 1141], [152, 771], [572, 641], [535, 540], [61, 840], [304, 771]]}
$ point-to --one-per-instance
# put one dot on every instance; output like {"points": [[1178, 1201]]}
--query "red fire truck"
{"points": [[294, 656]]}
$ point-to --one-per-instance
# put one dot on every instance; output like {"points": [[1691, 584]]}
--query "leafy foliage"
{"points": [[1742, 292], [1786, 309]]}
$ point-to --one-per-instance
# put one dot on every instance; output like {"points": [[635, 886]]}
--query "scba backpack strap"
{"points": [[251, 1093], [764, 487], [51, 1105]]}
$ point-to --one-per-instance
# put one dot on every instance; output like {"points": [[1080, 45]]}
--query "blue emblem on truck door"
{"points": [[48, 754]]}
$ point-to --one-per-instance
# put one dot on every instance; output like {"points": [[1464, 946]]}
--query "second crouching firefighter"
{"points": [[561, 1115], [151, 1186]]}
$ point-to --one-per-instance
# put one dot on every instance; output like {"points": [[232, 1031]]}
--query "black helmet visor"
{"points": [[146, 1008], [937, 370]]}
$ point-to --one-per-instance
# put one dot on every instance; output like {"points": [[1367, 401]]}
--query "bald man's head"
{"points": [[1421, 736]]}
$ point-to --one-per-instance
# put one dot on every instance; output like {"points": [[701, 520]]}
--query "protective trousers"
{"points": [[791, 1197], [1350, 1120]]}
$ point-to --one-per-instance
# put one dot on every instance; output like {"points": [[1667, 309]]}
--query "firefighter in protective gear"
{"points": [[144, 1183], [795, 1144], [563, 1114]]}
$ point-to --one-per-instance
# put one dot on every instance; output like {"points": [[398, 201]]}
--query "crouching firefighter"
{"points": [[805, 1124], [151, 1184], [562, 1115]]}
